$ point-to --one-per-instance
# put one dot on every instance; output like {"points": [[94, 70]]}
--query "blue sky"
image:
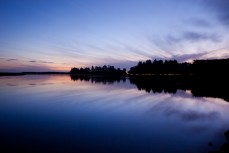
{"points": [[55, 35]]}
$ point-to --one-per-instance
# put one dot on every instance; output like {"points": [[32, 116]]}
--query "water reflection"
{"points": [[66, 114], [167, 84], [98, 79]]}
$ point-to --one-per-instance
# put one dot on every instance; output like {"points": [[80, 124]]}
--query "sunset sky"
{"points": [[55, 35]]}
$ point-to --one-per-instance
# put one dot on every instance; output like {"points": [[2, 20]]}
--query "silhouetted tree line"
{"points": [[97, 70], [198, 67], [205, 78], [217, 67], [161, 67]]}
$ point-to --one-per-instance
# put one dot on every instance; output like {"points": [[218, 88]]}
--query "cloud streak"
{"points": [[184, 30], [221, 10], [32, 61], [44, 62], [13, 59], [47, 62], [193, 37], [215, 54], [197, 22]]}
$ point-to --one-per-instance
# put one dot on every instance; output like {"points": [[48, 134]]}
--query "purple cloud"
{"points": [[195, 36], [220, 8]]}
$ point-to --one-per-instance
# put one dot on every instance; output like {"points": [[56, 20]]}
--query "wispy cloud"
{"points": [[185, 42], [46, 62], [195, 36], [32, 61], [214, 54], [198, 22], [188, 57], [220, 8], [12, 59]]}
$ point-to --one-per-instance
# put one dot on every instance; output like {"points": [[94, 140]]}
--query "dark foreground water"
{"points": [[52, 113]]}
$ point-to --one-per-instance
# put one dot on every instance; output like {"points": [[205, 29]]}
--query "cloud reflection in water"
{"points": [[112, 115]]}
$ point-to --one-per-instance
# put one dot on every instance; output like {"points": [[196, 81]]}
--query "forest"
{"points": [[97, 70], [172, 67], [216, 67]]}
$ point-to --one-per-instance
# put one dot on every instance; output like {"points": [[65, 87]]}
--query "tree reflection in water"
{"points": [[199, 86]]}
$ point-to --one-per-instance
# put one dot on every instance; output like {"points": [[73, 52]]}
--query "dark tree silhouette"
{"points": [[172, 67], [97, 70], [211, 67], [159, 67]]}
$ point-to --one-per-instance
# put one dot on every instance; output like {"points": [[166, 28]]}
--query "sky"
{"points": [[55, 35]]}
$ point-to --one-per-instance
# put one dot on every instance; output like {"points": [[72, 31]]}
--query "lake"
{"points": [[58, 113]]}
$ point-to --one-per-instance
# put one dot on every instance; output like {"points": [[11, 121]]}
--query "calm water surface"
{"points": [[52, 113]]}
